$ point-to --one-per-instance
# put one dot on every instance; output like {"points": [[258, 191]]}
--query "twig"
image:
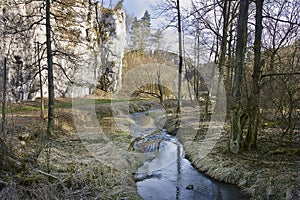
{"points": [[47, 174]]}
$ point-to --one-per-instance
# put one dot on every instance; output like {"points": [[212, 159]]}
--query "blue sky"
{"points": [[133, 7], [138, 7]]}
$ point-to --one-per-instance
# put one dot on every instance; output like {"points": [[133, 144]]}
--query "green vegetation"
{"points": [[122, 137], [24, 109]]}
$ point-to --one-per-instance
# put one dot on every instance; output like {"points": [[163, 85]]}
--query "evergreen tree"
{"points": [[140, 33], [145, 28], [146, 20], [156, 39]]}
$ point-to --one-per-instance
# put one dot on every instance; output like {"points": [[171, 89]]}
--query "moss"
{"points": [[24, 109], [122, 137]]}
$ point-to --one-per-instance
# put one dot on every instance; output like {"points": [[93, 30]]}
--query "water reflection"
{"points": [[178, 172], [168, 175]]}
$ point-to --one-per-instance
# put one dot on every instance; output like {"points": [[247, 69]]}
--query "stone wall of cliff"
{"points": [[88, 43]]}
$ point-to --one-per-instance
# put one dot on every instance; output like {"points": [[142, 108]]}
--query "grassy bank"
{"points": [[263, 174], [61, 167]]}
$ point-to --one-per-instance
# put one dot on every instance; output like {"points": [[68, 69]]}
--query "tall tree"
{"points": [[251, 137], [223, 49], [217, 37], [3, 122], [180, 56], [50, 127], [134, 34], [140, 33], [236, 131]]}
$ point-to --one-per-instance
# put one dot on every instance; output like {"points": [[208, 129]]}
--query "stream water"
{"points": [[167, 175]]}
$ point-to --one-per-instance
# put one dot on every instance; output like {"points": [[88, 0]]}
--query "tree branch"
{"points": [[280, 74], [281, 20]]}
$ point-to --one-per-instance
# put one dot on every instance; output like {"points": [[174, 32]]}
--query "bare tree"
{"points": [[50, 127], [236, 132], [3, 121], [220, 28], [180, 56], [281, 21], [223, 49], [255, 93]]}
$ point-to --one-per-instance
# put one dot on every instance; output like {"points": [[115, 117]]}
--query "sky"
{"points": [[133, 7], [137, 8]]}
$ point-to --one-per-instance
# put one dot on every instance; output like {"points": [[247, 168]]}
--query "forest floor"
{"points": [[65, 169], [61, 167]]}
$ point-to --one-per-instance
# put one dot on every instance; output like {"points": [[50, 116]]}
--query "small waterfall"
{"points": [[150, 142]]}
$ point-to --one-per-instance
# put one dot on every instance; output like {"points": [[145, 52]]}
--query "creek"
{"points": [[166, 174]]}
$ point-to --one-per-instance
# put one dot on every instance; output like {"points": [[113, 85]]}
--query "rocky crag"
{"points": [[88, 43]]}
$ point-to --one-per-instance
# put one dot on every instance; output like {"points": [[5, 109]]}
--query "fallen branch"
{"points": [[47, 174]]}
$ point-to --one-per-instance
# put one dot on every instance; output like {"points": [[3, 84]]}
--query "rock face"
{"points": [[88, 44], [114, 40], [106, 39]]}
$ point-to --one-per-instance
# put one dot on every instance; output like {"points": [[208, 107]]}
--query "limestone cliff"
{"points": [[113, 31], [88, 43]]}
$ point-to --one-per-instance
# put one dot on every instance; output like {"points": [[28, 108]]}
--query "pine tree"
{"points": [[140, 33]]}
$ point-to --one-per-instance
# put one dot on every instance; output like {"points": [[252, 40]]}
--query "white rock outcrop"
{"points": [[88, 46]]}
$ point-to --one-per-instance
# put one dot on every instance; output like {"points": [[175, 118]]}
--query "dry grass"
{"points": [[59, 168], [259, 173], [75, 174]]}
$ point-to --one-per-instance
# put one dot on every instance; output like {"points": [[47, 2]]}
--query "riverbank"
{"points": [[61, 167], [270, 172], [266, 173]]}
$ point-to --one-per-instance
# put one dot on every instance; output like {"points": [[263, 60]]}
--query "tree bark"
{"points": [[222, 60], [50, 127], [251, 137], [236, 132], [41, 81], [180, 58], [3, 122]]}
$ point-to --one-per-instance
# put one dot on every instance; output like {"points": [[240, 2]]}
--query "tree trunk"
{"points": [[251, 137], [197, 65], [222, 60], [236, 132], [180, 58], [41, 81], [160, 90], [50, 128], [228, 83], [3, 122]]}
